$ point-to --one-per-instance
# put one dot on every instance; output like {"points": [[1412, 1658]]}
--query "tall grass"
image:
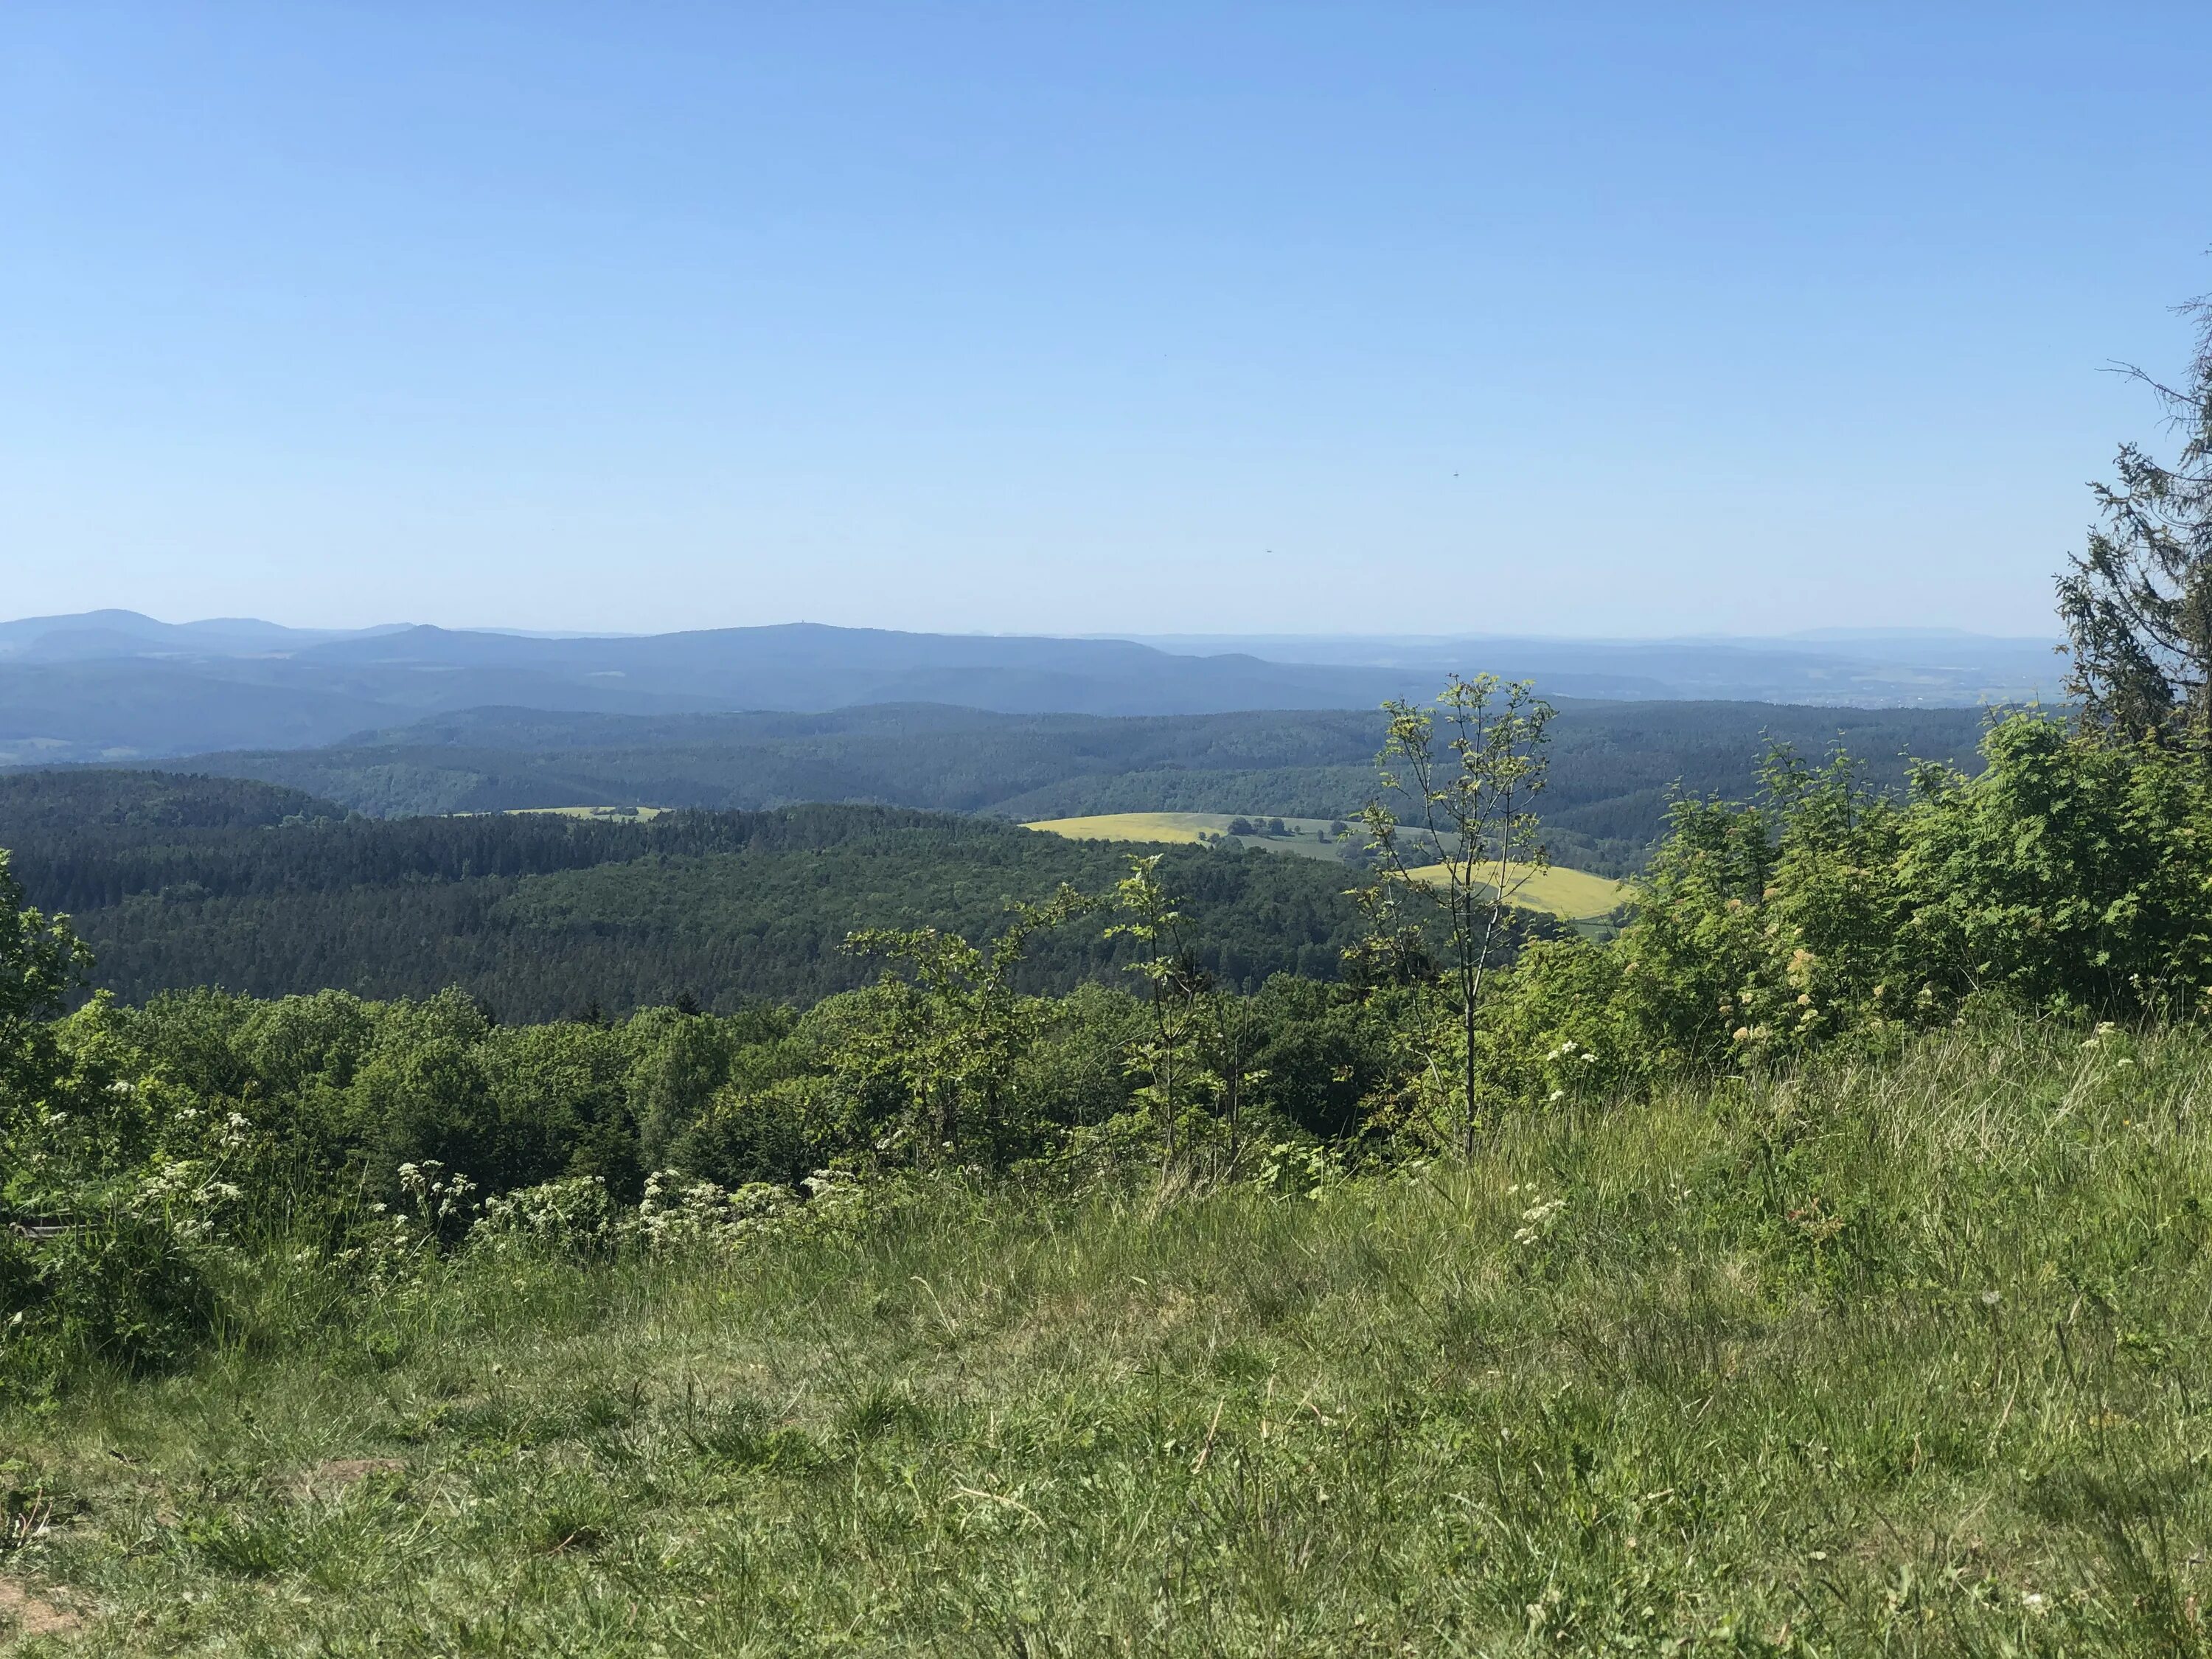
{"points": [[1909, 1359]]}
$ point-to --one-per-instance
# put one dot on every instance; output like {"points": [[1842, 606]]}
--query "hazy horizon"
{"points": [[1614, 323], [1805, 635]]}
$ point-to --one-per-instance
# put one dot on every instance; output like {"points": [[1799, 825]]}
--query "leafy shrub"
{"points": [[2071, 877], [773, 1134], [573, 1216], [130, 1288]]}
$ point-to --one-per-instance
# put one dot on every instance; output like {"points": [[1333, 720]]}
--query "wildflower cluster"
{"points": [[2110, 1039], [1538, 1218], [191, 1180], [677, 1214], [575, 1215], [1573, 1069], [401, 1241], [680, 1214]]}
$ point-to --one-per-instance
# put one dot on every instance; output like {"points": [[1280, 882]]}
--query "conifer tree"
{"points": [[2138, 601]]}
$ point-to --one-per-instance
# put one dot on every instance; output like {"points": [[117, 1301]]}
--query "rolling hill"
{"points": [[112, 690], [1612, 763], [117, 686], [179, 881]]}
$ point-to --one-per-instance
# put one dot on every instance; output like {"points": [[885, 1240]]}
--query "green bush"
{"points": [[2071, 877], [129, 1288], [777, 1133]]}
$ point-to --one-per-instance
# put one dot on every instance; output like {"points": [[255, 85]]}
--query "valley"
{"points": [[1154, 831]]}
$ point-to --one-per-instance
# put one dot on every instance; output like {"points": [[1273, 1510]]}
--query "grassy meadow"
{"points": [[602, 814], [1176, 829], [1905, 1357], [1304, 837], [1571, 895]]}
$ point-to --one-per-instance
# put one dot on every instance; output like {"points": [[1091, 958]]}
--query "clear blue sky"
{"points": [[1349, 318]]}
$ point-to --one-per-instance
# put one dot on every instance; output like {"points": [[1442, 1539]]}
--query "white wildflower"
{"points": [[1537, 1219]]}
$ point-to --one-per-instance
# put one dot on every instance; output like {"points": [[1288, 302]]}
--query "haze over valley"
{"points": [[116, 685]]}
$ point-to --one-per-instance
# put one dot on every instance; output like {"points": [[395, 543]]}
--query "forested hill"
{"points": [[123, 809], [1612, 763], [178, 881]]}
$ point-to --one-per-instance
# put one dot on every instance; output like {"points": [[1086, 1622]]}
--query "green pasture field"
{"points": [[605, 814], [1910, 1358], [1571, 895]]}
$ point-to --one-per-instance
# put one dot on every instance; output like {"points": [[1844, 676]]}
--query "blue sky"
{"points": [[1275, 319]]}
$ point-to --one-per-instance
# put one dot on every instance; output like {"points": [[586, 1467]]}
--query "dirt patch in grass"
{"points": [[339, 1473], [27, 1613]]}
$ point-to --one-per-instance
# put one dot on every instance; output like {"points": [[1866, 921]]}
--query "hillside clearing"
{"points": [[614, 814], [1905, 1361], [1181, 829], [1571, 895]]}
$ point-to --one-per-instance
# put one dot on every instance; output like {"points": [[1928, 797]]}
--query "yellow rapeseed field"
{"points": [[1571, 895]]}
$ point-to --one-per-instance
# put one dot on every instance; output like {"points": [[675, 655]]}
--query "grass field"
{"points": [[617, 813], [1572, 894], [1912, 1361], [1179, 829], [1305, 837]]}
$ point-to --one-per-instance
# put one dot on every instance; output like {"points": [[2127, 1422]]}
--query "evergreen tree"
{"points": [[2137, 602]]}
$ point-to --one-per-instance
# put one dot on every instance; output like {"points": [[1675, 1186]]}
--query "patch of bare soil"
{"points": [[339, 1473], [24, 1612]]}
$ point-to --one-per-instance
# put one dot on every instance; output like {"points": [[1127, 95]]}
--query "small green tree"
{"points": [[1175, 998], [1465, 806], [41, 961], [959, 1028]]}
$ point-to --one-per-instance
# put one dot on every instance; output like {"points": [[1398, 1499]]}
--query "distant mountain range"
{"points": [[114, 685], [1872, 668]]}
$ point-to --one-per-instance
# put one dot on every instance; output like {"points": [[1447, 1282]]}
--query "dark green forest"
{"points": [[178, 881], [1612, 764]]}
